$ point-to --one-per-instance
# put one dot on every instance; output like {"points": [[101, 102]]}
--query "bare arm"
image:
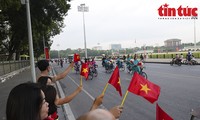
{"points": [[67, 99], [64, 74], [116, 111], [97, 102]]}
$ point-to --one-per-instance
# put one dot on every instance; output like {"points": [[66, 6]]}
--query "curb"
{"points": [[68, 114], [157, 62]]}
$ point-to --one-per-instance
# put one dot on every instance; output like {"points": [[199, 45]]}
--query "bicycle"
{"points": [[134, 68]]}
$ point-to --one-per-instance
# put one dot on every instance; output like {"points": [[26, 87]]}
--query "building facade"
{"points": [[115, 47], [172, 45]]}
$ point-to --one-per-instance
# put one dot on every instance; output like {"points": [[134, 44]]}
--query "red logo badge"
{"points": [[181, 12]]}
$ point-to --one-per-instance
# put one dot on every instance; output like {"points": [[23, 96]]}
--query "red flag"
{"points": [[85, 70], [140, 86], [46, 53], [76, 57], [161, 115], [115, 80]]}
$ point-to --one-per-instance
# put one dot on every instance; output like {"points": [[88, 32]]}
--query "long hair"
{"points": [[24, 102], [50, 93], [50, 96], [42, 81]]}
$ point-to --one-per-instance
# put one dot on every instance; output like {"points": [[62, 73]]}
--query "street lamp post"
{"points": [[194, 34], [30, 39], [82, 8], [58, 51]]}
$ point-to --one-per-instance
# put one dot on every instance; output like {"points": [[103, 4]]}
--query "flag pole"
{"points": [[104, 90], [72, 69], [81, 83], [122, 104]]}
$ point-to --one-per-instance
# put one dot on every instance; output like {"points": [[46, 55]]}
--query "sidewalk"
{"points": [[9, 81]]}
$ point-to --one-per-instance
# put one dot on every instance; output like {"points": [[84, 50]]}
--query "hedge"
{"points": [[171, 55]]}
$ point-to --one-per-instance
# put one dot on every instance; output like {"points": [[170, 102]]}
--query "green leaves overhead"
{"points": [[47, 18]]}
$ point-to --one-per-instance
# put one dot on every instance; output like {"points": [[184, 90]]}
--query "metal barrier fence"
{"points": [[10, 66]]}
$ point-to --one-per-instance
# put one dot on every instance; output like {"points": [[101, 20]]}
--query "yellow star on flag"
{"points": [[77, 57], [119, 81], [145, 88], [85, 70]]}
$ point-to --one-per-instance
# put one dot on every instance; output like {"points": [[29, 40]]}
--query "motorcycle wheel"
{"points": [[95, 72], [143, 74], [90, 76], [179, 63], [171, 63]]}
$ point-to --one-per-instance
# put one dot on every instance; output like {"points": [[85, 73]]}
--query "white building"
{"points": [[115, 47], [97, 48]]}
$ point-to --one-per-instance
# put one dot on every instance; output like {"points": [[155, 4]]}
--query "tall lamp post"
{"points": [[58, 51], [195, 47], [82, 8], [30, 39]]}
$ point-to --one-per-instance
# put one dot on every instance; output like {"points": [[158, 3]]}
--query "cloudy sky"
{"points": [[130, 23]]}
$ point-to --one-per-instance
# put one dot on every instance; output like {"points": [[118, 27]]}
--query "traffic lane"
{"points": [[175, 88], [150, 110], [179, 92], [81, 103], [190, 70], [112, 97], [133, 104], [92, 89]]}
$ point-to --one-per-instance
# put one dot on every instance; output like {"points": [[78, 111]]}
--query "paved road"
{"points": [[8, 84], [179, 92]]}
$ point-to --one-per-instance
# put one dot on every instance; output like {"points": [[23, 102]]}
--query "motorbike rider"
{"points": [[118, 62], [135, 66], [103, 60], [189, 57], [76, 66], [141, 57], [181, 57]]}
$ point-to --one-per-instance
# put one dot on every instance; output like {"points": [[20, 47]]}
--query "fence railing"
{"points": [[10, 66]]}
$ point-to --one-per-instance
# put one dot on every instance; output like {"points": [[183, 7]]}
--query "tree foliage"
{"points": [[47, 17]]}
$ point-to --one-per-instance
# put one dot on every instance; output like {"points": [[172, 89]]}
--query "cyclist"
{"points": [[119, 63], [135, 64]]}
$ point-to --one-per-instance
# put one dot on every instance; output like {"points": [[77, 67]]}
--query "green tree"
{"points": [[47, 18]]}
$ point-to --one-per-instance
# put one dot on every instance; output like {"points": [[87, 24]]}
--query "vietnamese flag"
{"points": [[142, 87], [84, 70], [76, 57], [115, 80], [161, 115], [46, 53]]}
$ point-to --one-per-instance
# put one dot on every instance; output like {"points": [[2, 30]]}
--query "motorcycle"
{"points": [[109, 66], [77, 67], [175, 61], [120, 65], [134, 68]]}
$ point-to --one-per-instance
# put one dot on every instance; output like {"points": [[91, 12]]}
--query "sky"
{"points": [[131, 23]]}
